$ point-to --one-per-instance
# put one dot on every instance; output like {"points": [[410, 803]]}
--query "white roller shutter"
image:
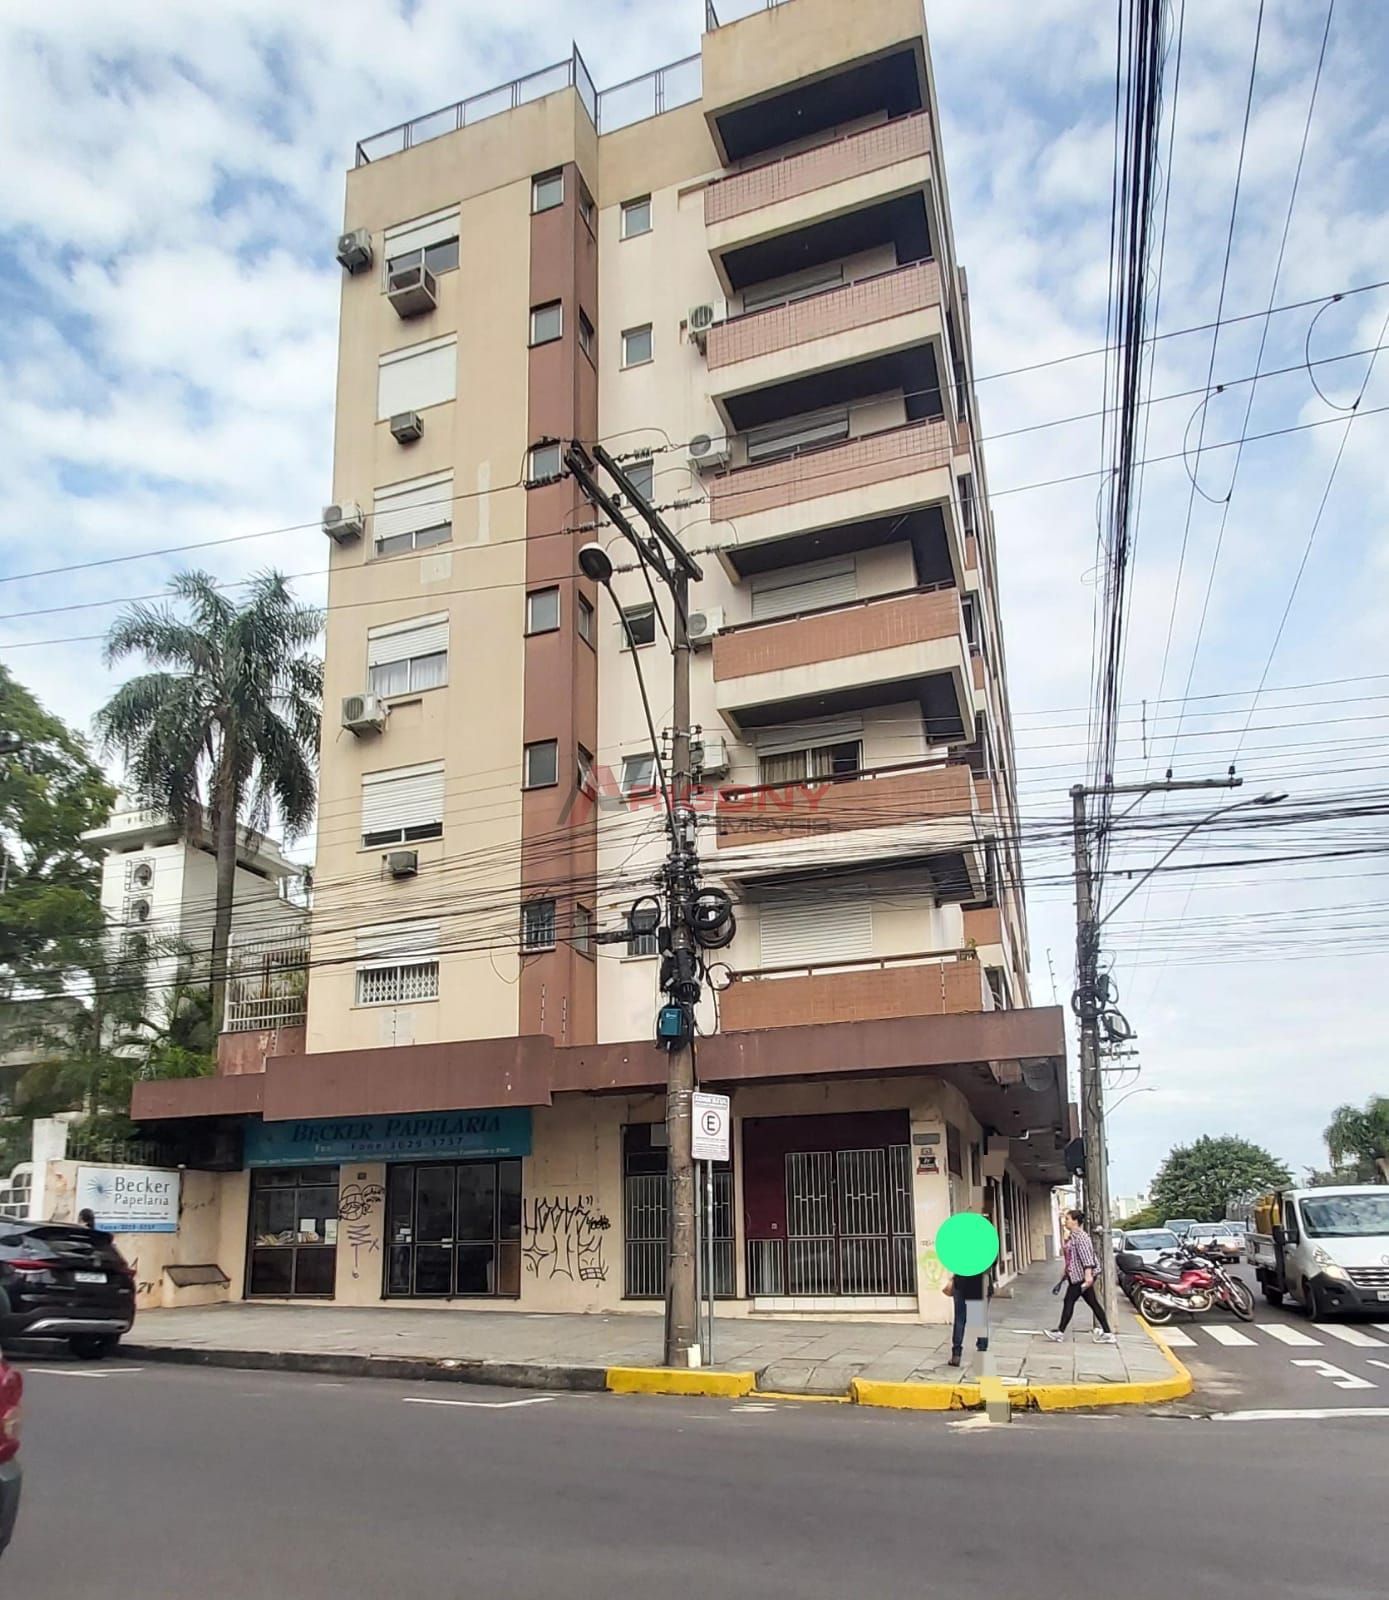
{"points": [[388, 944], [407, 507], [804, 930], [422, 232], [807, 735], [409, 797], [421, 375], [807, 588], [398, 641]]}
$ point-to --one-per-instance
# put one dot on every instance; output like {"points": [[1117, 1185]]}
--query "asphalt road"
{"points": [[164, 1482]]}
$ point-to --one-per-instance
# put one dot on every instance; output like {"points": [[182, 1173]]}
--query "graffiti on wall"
{"points": [[562, 1237], [357, 1205]]}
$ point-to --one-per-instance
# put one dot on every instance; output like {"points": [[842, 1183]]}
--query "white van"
{"points": [[1328, 1249]]}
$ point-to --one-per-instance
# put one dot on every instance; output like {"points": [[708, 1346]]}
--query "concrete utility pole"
{"points": [[666, 556]]}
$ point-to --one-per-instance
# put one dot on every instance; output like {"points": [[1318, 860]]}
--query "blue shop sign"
{"points": [[417, 1136]]}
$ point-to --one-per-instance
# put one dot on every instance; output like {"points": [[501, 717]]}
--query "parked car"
{"points": [[1223, 1239], [1151, 1243], [11, 1388], [1179, 1225], [63, 1282]]}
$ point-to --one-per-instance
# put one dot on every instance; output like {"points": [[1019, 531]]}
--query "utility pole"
{"points": [[664, 553]]}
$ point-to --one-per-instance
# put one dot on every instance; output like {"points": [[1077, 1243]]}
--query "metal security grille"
{"points": [[849, 1226], [416, 980], [645, 1213]]}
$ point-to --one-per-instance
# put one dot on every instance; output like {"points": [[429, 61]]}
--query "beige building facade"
{"points": [[739, 275]]}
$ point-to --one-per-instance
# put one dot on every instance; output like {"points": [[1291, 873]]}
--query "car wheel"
{"points": [[1312, 1302], [94, 1346]]}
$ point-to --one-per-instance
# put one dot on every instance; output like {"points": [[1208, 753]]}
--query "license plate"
{"points": [[89, 1277]]}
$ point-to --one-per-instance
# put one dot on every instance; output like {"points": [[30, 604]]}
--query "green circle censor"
{"points": [[967, 1243]]}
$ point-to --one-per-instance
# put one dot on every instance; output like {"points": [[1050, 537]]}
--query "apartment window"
{"points": [[806, 928], [585, 335], [818, 762], [582, 939], [546, 462], [967, 500], [643, 944], [795, 286], [639, 626], [413, 516], [639, 774], [431, 241], [998, 988], [420, 376], [587, 209], [636, 346], [408, 657], [583, 619], [970, 615], [547, 323], [538, 925], [403, 805], [794, 434], [547, 191], [398, 964], [636, 216], [542, 611], [643, 476], [811, 587], [541, 767], [584, 771]]}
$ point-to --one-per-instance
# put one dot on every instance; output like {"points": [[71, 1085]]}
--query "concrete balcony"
{"points": [[866, 319], [842, 175], [929, 984], [848, 658], [910, 812]]}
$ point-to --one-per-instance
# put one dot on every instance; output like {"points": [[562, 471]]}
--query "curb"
{"points": [[677, 1380]]}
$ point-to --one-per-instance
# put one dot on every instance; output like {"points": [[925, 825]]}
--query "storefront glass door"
{"points": [[454, 1229], [294, 1232]]}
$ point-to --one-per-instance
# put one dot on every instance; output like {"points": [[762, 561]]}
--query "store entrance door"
{"points": [[454, 1230]]}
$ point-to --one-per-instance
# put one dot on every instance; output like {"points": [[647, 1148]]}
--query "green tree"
{"points": [[1360, 1138], [227, 728], [51, 793], [1199, 1180]]}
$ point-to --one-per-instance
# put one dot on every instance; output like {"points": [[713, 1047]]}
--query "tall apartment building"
{"points": [[740, 273]]}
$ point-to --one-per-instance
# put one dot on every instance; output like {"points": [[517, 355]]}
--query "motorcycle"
{"points": [[1231, 1292], [1186, 1280]]}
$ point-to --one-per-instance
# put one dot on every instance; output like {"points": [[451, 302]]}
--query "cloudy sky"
{"points": [[168, 300]]}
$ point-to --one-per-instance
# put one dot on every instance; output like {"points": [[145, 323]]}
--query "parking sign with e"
{"points": [[711, 1125]]}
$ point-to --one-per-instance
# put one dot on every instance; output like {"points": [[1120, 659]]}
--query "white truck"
{"points": [[1328, 1249]]}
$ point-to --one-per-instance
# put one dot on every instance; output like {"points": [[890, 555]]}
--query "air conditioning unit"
{"points": [[363, 713], [412, 290], [344, 522], [699, 320], [712, 758], [407, 426], [354, 249], [705, 624], [403, 863], [709, 452]]}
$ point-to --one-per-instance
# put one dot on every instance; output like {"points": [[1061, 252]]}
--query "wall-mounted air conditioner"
{"points": [[705, 624], [403, 863], [354, 250], [363, 713], [710, 756], [701, 318], [344, 522], [412, 290], [407, 426], [709, 452]]}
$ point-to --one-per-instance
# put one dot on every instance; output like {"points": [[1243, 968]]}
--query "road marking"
{"points": [[84, 1372], [1338, 1375], [1276, 1330], [1350, 1335], [1382, 1326], [1374, 1363], [753, 1407], [1316, 1415], [1224, 1335], [1176, 1336], [480, 1405]]}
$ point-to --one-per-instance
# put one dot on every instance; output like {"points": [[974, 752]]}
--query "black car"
{"points": [[62, 1282]]}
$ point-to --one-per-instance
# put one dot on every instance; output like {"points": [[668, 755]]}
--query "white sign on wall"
{"points": [[709, 1137], [129, 1199]]}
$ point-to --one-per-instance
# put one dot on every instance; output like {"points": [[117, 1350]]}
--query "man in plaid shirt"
{"points": [[1081, 1265]]}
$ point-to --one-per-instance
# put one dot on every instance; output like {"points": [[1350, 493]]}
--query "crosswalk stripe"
{"points": [[1350, 1335], [1382, 1326], [1276, 1330], [1176, 1336], [1224, 1335]]}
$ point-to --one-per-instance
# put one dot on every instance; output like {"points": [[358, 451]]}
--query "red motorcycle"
{"points": [[1182, 1281]]}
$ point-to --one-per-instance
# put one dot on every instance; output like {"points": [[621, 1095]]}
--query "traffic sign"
{"points": [[712, 1120]]}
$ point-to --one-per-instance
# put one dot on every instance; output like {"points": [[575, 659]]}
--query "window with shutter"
{"points": [[417, 377], [408, 657], [397, 963], [404, 805], [432, 240], [793, 434], [806, 929], [413, 515], [795, 286], [807, 588]]}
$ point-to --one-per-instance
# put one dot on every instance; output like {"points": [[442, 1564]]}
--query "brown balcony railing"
{"points": [[807, 170], [929, 983], [879, 797], [837, 309], [831, 469], [831, 633]]}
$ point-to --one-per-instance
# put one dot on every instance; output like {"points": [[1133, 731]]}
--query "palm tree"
{"points": [[1361, 1137], [228, 727]]}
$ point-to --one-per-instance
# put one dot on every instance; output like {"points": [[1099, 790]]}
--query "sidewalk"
{"points": [[567, 1351]]}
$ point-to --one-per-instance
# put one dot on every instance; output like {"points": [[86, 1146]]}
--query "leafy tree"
{"points": [[51, 793], [1146, 1218], [1360, 1139], [1199, 1180], [227, 728]]}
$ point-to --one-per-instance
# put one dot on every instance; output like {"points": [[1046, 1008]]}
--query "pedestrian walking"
{"points": [[964, 1288], [1081, 1265]]}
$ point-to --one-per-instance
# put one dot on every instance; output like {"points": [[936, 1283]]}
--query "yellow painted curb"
{"points": [[1141, 1392], [677, 1380], [916, 1396]]}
